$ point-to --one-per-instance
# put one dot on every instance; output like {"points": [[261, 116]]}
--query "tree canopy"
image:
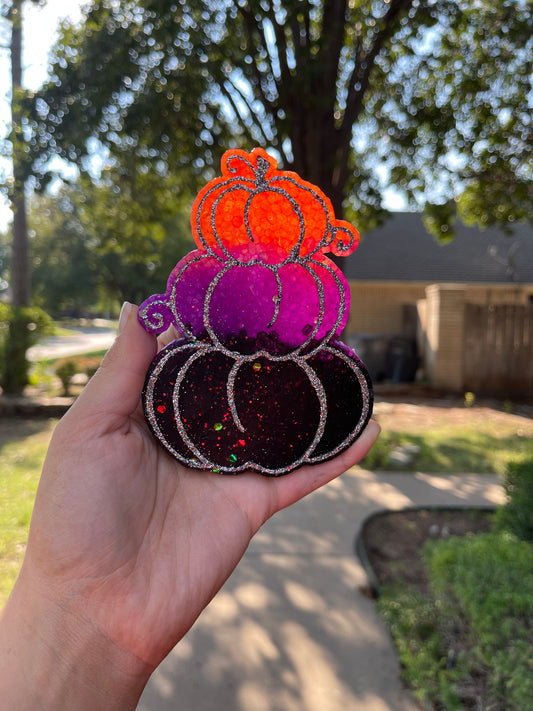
{"points": [[433, 97], [92, 246], [15, 371]]}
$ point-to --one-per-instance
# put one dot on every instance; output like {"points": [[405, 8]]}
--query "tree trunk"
{"points": [[15, 371], [20, 273]]}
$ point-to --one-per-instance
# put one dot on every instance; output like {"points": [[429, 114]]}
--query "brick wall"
{"points": [[444, 335], [380, 308]]}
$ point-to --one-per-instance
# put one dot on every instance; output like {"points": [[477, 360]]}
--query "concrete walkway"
{"points": [[290, 631], [83, 340]]}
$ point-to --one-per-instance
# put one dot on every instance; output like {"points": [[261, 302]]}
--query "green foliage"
{"points": [[66, 368], [23, 445], [477, 620], [108, 242], [517, 513], [421, 645], [434, 93], [470, 399], [63, 279], [490, 576], [20, 328]]}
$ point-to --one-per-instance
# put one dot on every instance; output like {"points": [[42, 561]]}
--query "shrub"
{"points": [[490, 577], [516, 515], [66, 368], [418, 626], [20, 328], [88, 364]]}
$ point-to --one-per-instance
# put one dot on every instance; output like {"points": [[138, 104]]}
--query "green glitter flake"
{"points": [[232, 458], [218, 426], [257, 367]]}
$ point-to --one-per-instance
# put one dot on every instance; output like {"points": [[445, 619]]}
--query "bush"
{"points": [[490, 577], [20, 328], [471, 635], [66, 368], [88, 364], [418, 626], [517, 514]]}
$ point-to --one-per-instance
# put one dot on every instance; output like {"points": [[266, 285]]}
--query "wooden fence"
{"points": [[498, 350]]}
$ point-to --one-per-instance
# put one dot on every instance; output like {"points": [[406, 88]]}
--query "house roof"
{"points": [[402, 250]]}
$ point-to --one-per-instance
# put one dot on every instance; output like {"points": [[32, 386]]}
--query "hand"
{"points": [[127, 545]]}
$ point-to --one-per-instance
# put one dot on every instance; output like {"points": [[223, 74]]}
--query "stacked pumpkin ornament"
{"points": [[258, 379]]}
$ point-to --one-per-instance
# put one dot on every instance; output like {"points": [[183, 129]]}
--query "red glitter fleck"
{"points": [[161, 409], [242, 442]]}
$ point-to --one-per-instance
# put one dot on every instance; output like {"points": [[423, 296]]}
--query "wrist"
{"points": [[52, 656]]}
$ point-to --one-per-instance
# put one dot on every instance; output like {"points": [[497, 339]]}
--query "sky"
{"points": [[40, 31]]}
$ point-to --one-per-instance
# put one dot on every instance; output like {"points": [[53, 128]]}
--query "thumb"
{"points": [[116, 386]]}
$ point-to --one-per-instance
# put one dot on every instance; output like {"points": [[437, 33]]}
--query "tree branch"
{"points": [[282, 51], [360, 80], [259, 76], [230, 95], [331, 41]]}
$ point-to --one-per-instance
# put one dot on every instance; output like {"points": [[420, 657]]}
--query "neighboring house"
{"points": [[461, 313]]}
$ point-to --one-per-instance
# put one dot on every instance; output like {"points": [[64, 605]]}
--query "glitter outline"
{"points": [[149, 315], [200, 461]]}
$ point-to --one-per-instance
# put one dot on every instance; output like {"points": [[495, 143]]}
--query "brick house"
{"points": [[460, 314]]}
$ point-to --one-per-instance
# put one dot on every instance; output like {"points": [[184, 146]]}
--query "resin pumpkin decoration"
{"points": [[258, 379]]}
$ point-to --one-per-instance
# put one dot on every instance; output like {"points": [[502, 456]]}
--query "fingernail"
{"points": [[124, 313]]}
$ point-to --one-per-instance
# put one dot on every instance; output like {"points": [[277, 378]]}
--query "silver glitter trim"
{"points": [[200, 461], [155, 319], [365, 413], [231, 395]]}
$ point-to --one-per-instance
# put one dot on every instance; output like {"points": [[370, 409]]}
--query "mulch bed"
{"points": [[392, 541], [390, 546]]}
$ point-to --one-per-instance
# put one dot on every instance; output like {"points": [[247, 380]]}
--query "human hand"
{"points": [[127, 545]]}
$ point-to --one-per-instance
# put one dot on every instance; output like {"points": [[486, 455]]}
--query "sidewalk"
{"points": [[290, 630]]}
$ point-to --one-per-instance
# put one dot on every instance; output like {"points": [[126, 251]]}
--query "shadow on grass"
{"points": [[15, 429], [453, 453]]}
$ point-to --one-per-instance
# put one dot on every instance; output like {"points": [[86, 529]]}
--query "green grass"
{"points": [[23, 445], [475, 624], [62, 331], [52, 361], [455, 448]]}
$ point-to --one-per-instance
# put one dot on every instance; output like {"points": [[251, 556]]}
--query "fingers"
{"points": [[116, 386], [167, 337], [303, 481]]}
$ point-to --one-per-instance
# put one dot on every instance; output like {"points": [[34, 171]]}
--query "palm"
{"points": [[142, 540]]}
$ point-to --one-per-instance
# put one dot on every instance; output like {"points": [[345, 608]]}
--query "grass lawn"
{"points": [[465, 641], [480, 442], [23, 445], [456, 449], [452, 440]]}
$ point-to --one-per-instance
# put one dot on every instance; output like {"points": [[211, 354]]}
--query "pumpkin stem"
{"points": [[262, 167]]}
